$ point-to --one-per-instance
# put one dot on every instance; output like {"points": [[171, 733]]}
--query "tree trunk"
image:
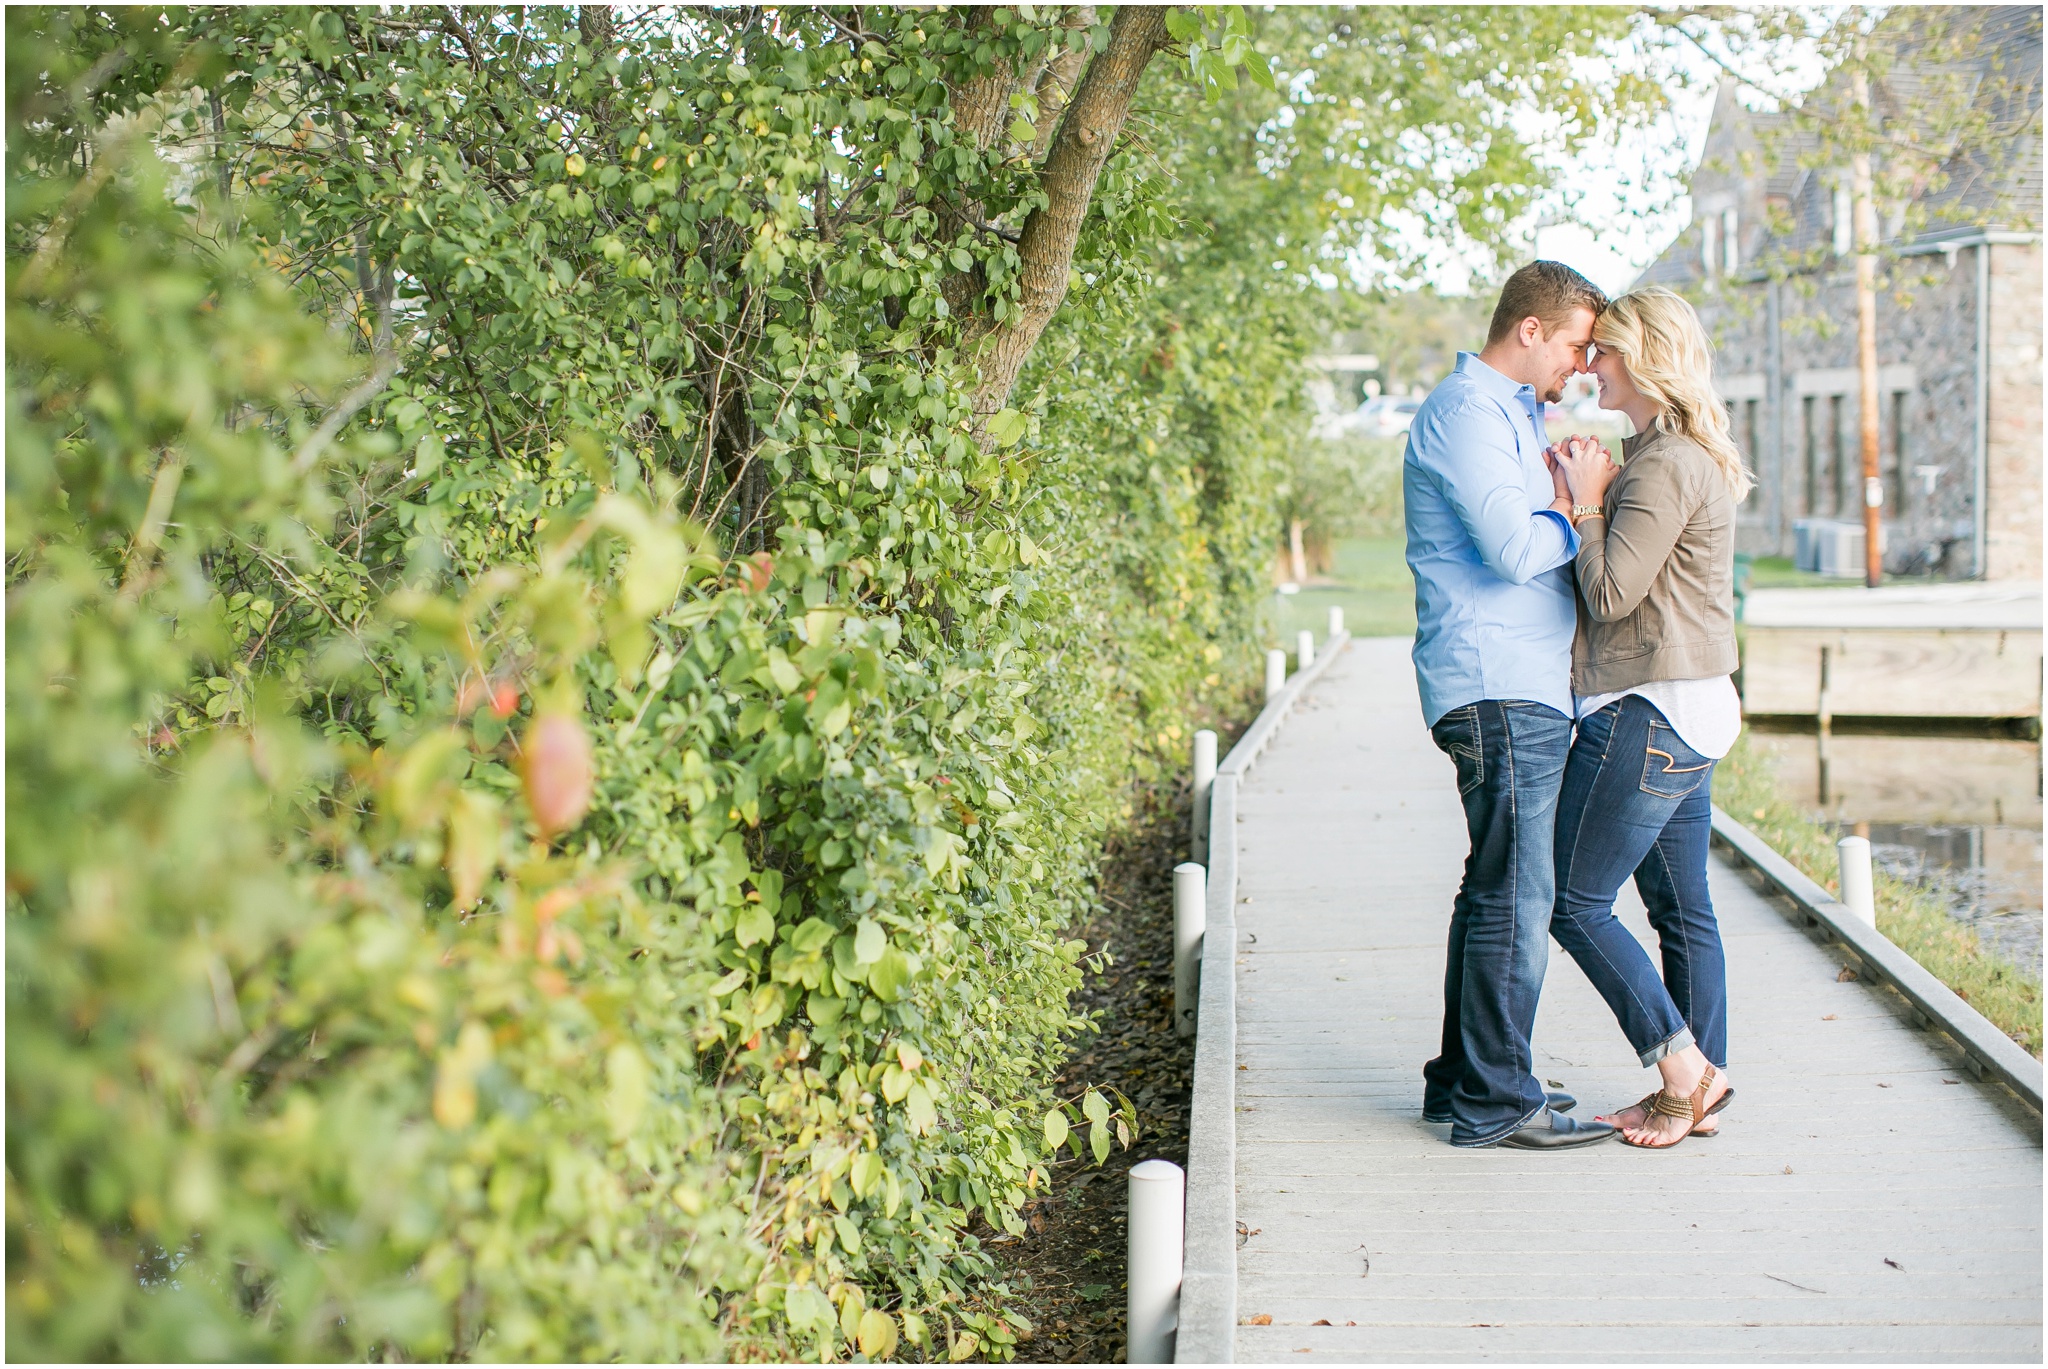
{"points": [[1056, 82], [1087, 135], [1297, 558]]}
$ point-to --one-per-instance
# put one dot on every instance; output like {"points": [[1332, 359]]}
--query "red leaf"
{"points": [[556, 766]]}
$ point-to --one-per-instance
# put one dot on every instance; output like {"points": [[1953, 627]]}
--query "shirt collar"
{"points": [[1492, 381]]}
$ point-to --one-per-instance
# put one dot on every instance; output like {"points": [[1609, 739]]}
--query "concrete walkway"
{"points": [[1866, 1199]]}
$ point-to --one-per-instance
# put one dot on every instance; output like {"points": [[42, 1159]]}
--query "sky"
{"points": [[1620, 201]]}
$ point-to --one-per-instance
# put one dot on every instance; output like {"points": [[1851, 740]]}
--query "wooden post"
{"points": [[1157, 1217], [1304, 649], [1190, 916], [1203, 781], [1864, 198], [1336, 620], [1276, 671]]}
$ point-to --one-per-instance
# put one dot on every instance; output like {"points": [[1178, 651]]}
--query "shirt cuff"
{"points": [[1571, 534]]}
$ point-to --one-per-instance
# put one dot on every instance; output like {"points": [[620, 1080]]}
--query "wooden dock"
{"points": [[1867, 1199], [1967, 650]]}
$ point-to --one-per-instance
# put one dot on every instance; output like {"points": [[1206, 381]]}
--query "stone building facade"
{"points": [[1768, 260]]}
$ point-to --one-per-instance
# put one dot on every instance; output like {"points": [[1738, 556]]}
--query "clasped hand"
{"points": [[1580, 470]]}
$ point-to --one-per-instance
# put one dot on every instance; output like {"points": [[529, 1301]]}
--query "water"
{"points": [[1960, 815]]}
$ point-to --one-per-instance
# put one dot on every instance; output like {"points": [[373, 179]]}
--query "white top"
{"points": [[1706, 713]]}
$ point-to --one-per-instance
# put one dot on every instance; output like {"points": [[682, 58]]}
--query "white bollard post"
{"points": [[1304, 649], [1336, 620], [1204, 782], [1190, 900], [1859, 889], [1276, 671], [1157, 1216]]}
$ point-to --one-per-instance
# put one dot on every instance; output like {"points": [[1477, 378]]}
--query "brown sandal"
{"points": [[1693, 1107], [1648, 1103]]}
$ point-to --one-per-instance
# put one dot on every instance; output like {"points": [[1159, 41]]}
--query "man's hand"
{"points": [[1557, 485], [1585, 468]]}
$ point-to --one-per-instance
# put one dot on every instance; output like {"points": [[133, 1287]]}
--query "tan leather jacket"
{"points": [[1656, 576]]}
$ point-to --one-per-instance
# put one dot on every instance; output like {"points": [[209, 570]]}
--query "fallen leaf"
{"points": [[1788, 1169], [1259, 1319], [1951, 1081], [1895, 1264], [1847, 976], [1828, 1017], [1884, 1086], [1320, 1321]]}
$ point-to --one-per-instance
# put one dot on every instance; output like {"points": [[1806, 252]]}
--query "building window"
{"points": [[1708, 264], [1731, 241], [1809, 453], [1845, 221]]}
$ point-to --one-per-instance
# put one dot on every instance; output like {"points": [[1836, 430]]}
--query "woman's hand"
{"points": [[1586, 469]]}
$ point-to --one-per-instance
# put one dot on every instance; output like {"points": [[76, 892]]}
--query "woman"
{"points": [[1656, 706]]}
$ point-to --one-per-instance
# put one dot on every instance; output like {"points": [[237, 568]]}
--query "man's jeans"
{"points": [[1510, 755], [1637, 798]]}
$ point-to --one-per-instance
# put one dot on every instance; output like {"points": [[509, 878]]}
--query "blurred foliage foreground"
{"points": [[551, 753]]}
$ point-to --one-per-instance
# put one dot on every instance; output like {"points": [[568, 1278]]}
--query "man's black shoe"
{"points": [[1549, 1130], [1554, 1099]]}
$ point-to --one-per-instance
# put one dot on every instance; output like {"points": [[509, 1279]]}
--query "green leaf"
{"points": [[805, 1307], [918, 1106], [889, 974], [1006, 426], [1095, 1108], [1055, 1129], [755, 924], [869, 941]]}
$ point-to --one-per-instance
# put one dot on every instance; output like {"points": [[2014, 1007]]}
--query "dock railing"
{"points": [[1207, 1331], [1986, 1049]]}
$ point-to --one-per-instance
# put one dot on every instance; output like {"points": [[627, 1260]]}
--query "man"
{"points": [[1491, 544]]}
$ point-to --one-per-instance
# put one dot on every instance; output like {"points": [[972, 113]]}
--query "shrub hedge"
{"points": [[552, 753]]}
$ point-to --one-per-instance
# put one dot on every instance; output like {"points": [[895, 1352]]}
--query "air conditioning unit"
{"points": [[1828, 546]]}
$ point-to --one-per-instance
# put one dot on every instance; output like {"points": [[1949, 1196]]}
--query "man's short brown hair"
{"points": [[1547, 291]]}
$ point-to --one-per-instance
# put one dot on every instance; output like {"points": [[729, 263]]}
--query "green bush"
{"points": [[553, 752]]}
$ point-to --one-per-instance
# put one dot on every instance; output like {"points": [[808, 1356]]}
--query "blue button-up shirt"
{"points": [[1493, 565]]}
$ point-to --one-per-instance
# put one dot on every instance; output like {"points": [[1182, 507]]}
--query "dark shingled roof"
{"points": [[1952, 74]]}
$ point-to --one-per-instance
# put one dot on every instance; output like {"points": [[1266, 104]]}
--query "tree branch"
{"points": [[1087, 134]]}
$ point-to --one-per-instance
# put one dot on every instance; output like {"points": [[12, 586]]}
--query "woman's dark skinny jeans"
{"points": [[1637, 799]]}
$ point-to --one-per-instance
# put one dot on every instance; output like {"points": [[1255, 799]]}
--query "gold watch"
{"points": [[1587, 511]]}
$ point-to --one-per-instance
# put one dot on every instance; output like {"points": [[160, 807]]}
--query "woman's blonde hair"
{"points": [[1664, 348]]}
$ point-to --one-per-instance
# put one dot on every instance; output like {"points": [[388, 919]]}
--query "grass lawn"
{"points": [[1369, 580]]}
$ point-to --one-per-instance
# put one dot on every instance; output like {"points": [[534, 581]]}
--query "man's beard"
{"points": [[1554, 395]]}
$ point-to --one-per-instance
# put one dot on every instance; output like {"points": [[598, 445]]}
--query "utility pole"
{"points": [[1864, 198]]}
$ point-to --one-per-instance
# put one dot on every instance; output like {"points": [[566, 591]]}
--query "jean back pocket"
{"points": [[1671, 769]]}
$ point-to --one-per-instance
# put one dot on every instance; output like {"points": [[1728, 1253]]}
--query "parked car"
{"points": [[1382, 416]]}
